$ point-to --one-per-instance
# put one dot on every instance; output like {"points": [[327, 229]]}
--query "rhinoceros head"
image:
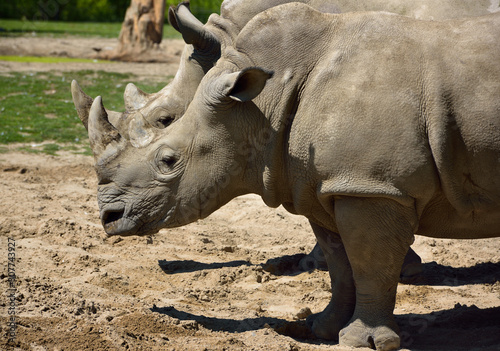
{"points": [[151, 178], [129, 165]]}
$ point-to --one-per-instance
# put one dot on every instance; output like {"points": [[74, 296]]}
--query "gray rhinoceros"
{"points": [[204, 44], [374, 126]]}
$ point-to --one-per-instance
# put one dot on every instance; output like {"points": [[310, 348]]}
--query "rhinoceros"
{"points": [[374, 126], [204, 44]]}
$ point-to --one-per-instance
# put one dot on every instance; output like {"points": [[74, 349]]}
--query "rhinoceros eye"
{"points": [[169, 161], [161, 117], [164, 121], [166, 160]]}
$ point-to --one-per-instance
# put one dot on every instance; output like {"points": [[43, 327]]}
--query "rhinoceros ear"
{"points": [[172, 19], [247, 84]]}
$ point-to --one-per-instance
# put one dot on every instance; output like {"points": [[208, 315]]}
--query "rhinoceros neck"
{"points": [[186, 80], [285, 41], [263, 147]]}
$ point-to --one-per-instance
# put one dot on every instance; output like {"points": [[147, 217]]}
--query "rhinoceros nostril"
{"points": [[112, 216]]}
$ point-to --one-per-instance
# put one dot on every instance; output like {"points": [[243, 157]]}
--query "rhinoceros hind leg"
{"points": [[411, 271], [327, 324], [412, 268], [314, 260]]}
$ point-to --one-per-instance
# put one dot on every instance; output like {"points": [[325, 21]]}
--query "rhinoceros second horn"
{"points": [[134, 97], [82, 102]]}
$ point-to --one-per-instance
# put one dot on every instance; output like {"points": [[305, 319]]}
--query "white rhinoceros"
{"points": [[374, 126], [204, 44]]}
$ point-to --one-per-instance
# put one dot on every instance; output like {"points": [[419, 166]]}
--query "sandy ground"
{"points": [[229, 282]]}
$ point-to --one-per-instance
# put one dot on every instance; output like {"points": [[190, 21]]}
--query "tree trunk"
{"points": [[141, 32]]}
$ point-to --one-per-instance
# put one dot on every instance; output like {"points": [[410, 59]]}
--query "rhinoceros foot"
{"points": [[327, 324], [314, 260], [359, 334]]}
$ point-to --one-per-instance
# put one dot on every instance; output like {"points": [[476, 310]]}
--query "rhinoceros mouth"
{"points": [[115, 222]]}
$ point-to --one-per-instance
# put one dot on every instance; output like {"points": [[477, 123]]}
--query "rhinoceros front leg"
{"points": [[327, 324], [412, 266], [376, 234]]}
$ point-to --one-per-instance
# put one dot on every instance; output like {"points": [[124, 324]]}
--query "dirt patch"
{"points": [[76, 47], [223, 283]]}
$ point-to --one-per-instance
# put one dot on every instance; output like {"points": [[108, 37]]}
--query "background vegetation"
{"points": [[88, 10], [12, 27], [38, 107]]}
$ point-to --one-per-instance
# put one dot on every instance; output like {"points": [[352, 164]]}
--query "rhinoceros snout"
{"points": [[115, 222], [110, 217]]}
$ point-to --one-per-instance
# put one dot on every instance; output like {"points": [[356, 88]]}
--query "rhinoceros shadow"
{"points": [[436, 274], [284, 265], [459, 329], [187, 266], [433, 273], [220, 324]]}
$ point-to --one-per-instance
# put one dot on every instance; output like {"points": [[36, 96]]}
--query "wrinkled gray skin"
{"points": [[204, 44], [374, 126]]}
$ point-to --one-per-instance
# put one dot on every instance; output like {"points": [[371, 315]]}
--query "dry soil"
{"points": [[229, 282]]}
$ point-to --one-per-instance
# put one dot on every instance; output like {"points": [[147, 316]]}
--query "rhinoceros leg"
{"points": [[412, 266], [376, 234], [327, 324]]}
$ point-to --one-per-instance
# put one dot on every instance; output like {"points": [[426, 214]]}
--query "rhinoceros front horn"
{"points": [[82, 103], [101, 131]]}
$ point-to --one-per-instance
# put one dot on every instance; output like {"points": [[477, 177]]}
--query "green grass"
{"points": [[61, 29], [38, 107]]}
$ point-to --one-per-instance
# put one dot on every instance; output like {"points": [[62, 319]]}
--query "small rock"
{"points": [[116, 240], [190, 325], [303, 313]]}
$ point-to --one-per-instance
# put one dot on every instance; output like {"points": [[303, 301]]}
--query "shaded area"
{"points": [[222, 324], [433, 273], [436, 274], [442, 330], [289, 264], [174, 267], [454, 326], [283, 265]]}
